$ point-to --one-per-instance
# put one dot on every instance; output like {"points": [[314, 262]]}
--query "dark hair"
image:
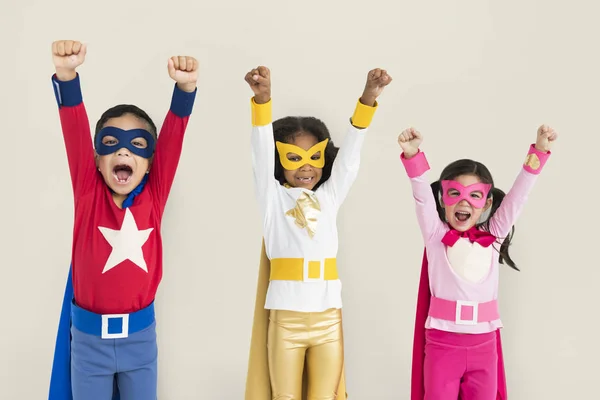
{"points": [[123, 109], [470, 167], [286, 129]]}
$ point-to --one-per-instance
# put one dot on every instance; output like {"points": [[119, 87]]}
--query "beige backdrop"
{"points": [[476, 77]]}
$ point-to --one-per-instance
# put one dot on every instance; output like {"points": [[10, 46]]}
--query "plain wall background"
{"points": [[475, 77]]}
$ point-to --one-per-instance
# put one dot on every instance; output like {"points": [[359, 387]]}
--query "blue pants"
{"points": [[97, 362]]}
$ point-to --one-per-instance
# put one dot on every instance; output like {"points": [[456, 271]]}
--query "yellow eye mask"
{"points": [[305, 156]]}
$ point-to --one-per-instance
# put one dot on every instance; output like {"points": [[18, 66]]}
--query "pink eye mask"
{"points": [[465, 193]]}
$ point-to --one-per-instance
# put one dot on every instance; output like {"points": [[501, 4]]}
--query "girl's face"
{"points": [[306, 176], [463, 215]]}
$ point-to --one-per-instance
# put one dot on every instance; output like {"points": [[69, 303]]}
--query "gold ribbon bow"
{"points": [[306, 212]]}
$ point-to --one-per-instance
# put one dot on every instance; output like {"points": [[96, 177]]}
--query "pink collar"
{"points": [[474, 235]]}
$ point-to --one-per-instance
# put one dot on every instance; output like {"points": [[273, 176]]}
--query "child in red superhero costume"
{"points": [[121, 181]]}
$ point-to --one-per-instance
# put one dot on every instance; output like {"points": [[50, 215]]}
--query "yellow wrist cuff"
{"points": [[261, 113], [363, 115]]}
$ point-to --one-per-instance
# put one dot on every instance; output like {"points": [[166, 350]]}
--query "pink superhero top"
{"points": [[117, 253], [465, 273]]}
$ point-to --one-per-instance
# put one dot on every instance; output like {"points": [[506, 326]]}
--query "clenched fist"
{"points": [[377, 80], [410, 140], [545, 138], [184, 71], [259, 80], [67, 56]]}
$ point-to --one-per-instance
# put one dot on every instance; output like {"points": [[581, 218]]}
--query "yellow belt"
{"points": [[292, 269]]}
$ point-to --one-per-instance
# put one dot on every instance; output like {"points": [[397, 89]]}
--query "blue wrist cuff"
{"points": [[67, 94], [182, 102]]}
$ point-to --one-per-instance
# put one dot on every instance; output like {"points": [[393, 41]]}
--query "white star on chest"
{"points": [[126, 243]]}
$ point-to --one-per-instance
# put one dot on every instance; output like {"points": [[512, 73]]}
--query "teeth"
{"points": [[462, 216], [122, 180]]}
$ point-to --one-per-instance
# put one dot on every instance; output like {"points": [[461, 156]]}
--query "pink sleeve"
{"points": [[425, 203], [514, 201]]}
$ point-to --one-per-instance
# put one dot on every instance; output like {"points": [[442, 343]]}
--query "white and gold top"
{"points": [[299, 225]]}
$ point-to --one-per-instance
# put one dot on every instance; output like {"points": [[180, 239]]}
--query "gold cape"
{"points": [[258, 381]]}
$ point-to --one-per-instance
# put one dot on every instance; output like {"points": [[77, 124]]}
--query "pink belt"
{"points": [[463, 312]]}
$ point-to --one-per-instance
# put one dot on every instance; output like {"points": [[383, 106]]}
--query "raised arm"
{"points": [[347, 162], [184, 71], [416, 166], [67, 55], [262, 141], [509, 210]]}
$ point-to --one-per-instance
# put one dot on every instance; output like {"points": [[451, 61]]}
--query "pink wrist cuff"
{"points": [[535, 160], [416, 165]]}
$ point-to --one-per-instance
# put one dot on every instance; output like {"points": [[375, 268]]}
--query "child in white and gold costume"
{"points": [[301, 180]]}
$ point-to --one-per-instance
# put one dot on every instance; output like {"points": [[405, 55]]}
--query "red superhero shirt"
{"points": [[117, 254]]}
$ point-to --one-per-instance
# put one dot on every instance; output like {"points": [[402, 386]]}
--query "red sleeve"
{"points": [[169, 146], [76, 132]]}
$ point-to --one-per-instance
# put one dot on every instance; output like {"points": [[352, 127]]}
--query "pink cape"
{"points": [[423, 299]]}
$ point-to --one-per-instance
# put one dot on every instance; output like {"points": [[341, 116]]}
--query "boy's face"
{"points": [[122, 170]]}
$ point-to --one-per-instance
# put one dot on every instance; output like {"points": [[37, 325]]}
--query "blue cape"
{"points": [[60, 379]]}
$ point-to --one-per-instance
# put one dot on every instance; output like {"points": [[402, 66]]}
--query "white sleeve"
{"points": [[263, 155], [346, 165]]}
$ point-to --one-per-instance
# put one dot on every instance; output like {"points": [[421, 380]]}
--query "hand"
{"points": [[545, 138], [184, 71], [259, 80], [409, 141], [67, 56], [377, 80]]}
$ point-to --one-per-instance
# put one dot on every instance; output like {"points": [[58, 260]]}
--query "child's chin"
{"points": [[309, 186], [123, 188], [462, 226]]}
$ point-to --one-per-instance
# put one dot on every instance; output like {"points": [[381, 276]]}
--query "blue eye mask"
{"points": [[124, 139]]}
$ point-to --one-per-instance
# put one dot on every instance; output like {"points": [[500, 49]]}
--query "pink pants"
{"points": [[464, 364]]}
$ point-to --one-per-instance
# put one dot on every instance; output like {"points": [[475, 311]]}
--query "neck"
{"points": [[119, 199]]}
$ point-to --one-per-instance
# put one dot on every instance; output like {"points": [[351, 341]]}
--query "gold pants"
{"points": [[294, 337]]}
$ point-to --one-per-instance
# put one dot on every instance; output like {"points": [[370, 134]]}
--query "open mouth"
{"points": [[462, 216], [122, 173], [305, 180]]}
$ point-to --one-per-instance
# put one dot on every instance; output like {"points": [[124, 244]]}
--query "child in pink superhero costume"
{"points": [[457, 352]]}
